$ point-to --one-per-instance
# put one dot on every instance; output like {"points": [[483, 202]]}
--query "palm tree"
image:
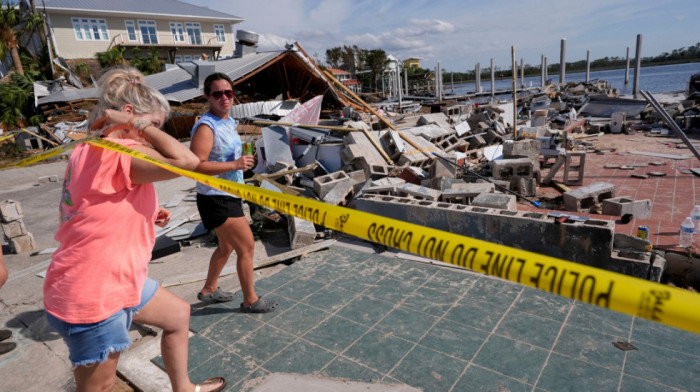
{"points": [[9, 19]]}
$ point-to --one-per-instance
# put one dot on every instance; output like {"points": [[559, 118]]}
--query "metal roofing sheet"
{"points": [[67, 95], [177, 84], [277, 108], [150, 7]]}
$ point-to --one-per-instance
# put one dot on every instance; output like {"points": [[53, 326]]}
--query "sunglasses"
{"points": [[218, 94]]}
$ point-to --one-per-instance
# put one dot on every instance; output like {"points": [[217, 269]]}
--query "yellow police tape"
{"points": [[10, 135], [637, 297]]}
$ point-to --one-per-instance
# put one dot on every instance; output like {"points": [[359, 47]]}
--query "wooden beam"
{"points": [[380, 117]]}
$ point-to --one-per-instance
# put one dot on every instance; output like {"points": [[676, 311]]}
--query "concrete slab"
{"points": [[295, 383]]}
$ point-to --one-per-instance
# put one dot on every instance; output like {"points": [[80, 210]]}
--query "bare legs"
{"points": [[233, 234], [168, 312]]}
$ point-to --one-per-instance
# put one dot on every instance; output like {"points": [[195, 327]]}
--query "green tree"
{"points": [[349, 58], [9, 20], [111, 57], [333, 57], [376, 62], [148, 65], [16, 99]]}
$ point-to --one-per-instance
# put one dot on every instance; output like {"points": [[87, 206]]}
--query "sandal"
{"points": [[213, 380], [260, 306], [217, 296], [6, 347]]}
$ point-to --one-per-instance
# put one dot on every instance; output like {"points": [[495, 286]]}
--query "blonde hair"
{"points": [[122, 86]]}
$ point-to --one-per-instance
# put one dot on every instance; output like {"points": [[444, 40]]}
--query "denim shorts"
{"points": [[90, 344]]}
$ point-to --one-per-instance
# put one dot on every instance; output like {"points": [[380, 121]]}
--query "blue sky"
{"points": [[460, 33]]}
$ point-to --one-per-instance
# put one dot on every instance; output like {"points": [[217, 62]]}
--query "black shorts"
{"points": [[215, 209]]}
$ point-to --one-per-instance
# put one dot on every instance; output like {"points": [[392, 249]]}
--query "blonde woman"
{"points": [[97, 282]]}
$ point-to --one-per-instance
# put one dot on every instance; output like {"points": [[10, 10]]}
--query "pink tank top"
{"points": [[106, 236]]}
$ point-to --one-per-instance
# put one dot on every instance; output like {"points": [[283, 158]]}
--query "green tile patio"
{"points": [[370, 318]]}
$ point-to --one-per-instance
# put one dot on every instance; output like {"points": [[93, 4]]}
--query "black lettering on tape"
{"points": [[603, 299], [581, 291], [651, 304], [461, 258], [536, 278]]}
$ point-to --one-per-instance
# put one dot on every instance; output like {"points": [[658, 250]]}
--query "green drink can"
{"points": [[247, 148]]}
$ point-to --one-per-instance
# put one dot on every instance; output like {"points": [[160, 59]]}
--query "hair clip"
{"points": [[133, 81]]}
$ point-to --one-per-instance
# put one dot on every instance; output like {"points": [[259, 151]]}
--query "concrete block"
{"points": [[10, 210], [582, 199], [476, 141], [626, 205], [495, 200], [505, 169], [439, 119], [366, 149], [440, 168], [418, 192], [392, 144], [376, 171], [393, 181], [525, 186], [47, 179], [323, 184], [388, 190], [14, 229], [22, 244], [351, 153], [573, 171], [357, 176], [589, 243], [440, 183], [464, 193], [301, 232], [414, 157], [527, 148], [340, 194], [449, 143]]}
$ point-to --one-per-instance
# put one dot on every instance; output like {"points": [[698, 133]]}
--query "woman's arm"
{"points": [[165, 148], [201, 145]]}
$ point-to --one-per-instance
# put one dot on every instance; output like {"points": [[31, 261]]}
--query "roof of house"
{"points": [[336, 71], [146, 8], [177, 83]]}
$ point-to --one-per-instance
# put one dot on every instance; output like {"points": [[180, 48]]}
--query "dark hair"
{"points": [[215, 76]]}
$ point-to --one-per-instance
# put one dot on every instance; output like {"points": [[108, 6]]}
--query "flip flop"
{"points": [[6, 347], [5, 334], [260, 306], [213, 380], [217, 296]]}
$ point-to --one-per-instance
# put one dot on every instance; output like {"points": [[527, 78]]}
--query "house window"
{"points": [[220, 33], [188, 57], [130, 30], [177, 31], [148, 30], [178, 59], [90, 29], [194, 32]]}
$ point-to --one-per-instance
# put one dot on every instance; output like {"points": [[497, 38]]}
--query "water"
{"points": [[657, 79]]}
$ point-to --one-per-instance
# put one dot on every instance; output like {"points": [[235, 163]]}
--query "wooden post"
{"points": [[638, 65], [627, 67], [381, 118], [588, 66], [515, 94], [562, 62], [493, 81]]}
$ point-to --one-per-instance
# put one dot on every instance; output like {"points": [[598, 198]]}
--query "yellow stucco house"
{"points": [[180, 31], [413, 62]]}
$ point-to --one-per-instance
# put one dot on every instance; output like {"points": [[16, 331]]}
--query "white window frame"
{"points": [[220, 32], [86, 29], [177, 30], [130, 24], [148, 24], [194, 33]]}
